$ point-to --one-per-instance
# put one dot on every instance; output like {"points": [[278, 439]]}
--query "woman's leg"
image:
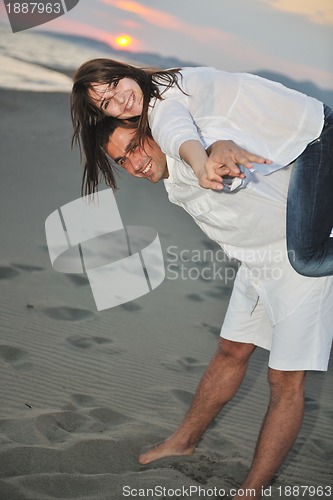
{"points": [[310, 207]]}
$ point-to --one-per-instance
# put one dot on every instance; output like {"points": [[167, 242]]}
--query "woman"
{"points": [[179, 106]]}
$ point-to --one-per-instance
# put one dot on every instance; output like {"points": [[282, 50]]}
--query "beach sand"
{"points": [[83, 393]]}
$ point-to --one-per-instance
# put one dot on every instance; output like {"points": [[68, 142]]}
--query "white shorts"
{"points": [[300, 341]]}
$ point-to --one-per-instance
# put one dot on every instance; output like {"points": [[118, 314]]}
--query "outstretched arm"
{"points": [[174, 130], [225, 157], [195, 155]]}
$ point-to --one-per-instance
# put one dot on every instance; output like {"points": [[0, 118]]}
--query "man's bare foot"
{"points": [[171, 447]]}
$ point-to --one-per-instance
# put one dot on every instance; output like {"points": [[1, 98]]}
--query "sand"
{"points": [[83, 393]]}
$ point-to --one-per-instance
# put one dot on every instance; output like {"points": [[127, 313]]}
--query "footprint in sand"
{"points": [[109, 417], [184, 397], [185, 364], [311, 404], [28, 268], [199, 469], [323, 449], [65, 313], [58, 427], [83, 400], [131, 306], [88, 342], [15, 357], [102, 456], [195, 297], [202, 468], [77, 279], [211, 245], [191, 364], [8, 273], [93, 342], [212, 329]]}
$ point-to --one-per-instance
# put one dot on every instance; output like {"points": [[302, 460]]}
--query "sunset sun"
{"points": [[123, 41]]}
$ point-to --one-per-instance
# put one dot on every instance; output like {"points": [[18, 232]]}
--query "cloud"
{"points": [[318, 11], [171, 22], [152, 16], [128, 23], [67, 25]]}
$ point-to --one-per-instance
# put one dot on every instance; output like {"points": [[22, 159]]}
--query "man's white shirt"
{"points": [[250, 225]]}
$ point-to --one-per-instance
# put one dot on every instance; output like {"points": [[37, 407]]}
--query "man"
{"points": [[271, 305]]}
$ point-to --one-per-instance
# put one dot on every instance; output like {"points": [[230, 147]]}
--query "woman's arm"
{"points": [[194, 154], [226, 154]]}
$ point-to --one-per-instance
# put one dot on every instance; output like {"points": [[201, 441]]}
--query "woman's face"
{"points": [[121, 99]]}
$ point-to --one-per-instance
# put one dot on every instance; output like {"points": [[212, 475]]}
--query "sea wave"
{"points": [[39, 61]]}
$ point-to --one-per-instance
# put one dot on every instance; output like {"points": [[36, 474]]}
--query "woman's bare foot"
{"points": [[171, 447]]}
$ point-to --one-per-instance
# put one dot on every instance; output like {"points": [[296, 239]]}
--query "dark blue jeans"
{"points": [[310, 206]]}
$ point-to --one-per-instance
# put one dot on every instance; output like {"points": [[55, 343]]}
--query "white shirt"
{"points": [[262, 116], [250, 226]]}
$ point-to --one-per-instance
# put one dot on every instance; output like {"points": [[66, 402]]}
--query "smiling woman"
{"points": [[121, 98]]}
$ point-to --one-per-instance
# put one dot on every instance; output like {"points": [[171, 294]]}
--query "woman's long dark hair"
{"points": [[97, 164], [88, 120]]}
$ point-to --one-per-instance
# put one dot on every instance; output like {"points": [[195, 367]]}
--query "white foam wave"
{"points": [[19, 75], [23, 55]]}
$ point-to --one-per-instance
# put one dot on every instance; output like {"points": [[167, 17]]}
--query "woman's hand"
{"points": [[215, 181], [225, 158]]}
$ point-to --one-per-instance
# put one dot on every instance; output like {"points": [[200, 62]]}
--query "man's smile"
{"points": [[147, 169]]}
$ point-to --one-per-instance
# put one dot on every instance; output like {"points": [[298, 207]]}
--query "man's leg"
{"points": [[279, 430], [218, 385]]}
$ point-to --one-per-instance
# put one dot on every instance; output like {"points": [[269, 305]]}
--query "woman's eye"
{"points": [[115, 83], [106, 105]]}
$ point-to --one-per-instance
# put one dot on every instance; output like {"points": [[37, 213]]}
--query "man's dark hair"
{"points": [[97, 164]]}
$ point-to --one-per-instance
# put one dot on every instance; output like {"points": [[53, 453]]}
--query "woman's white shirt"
{"points": [[260, 115]]}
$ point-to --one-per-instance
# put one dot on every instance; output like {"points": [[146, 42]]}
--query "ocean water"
{"points": [[39, 62]]}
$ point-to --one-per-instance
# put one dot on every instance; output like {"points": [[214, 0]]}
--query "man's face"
{"points": [[147, 162]]}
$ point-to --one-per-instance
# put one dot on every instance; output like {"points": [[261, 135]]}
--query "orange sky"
{"points": [[294, 37]]}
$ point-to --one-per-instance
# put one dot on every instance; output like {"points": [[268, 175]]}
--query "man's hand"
{"points": [[224, 158]]}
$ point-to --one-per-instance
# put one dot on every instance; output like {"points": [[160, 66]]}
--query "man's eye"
{"points": [[133, 148], [122, 161]]}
